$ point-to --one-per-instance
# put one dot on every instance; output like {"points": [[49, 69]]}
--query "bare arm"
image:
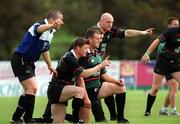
{"points": [[46, 27], [133, 33], [151, 49], [47, 59], [88, 72], [110, 79]]}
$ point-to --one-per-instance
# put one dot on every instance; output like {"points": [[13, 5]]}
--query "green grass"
{"points": [[135, 105]]}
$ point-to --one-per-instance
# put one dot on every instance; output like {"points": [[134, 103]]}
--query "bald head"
{"points": [[106, 21], [107, 16]]}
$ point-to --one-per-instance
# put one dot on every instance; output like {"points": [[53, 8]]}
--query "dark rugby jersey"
{"points": [[68, 69], [114, 32], [171, 49], [91, 60]]}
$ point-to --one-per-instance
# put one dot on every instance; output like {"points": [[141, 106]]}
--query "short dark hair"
{"points": [[92, 30], [170, 19], [53, 13], [80, 41]]}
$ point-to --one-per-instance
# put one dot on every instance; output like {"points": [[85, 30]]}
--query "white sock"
{"points": [[173, 110], [164, 109]]}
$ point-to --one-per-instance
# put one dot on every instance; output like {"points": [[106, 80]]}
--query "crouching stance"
{"points": [[95, 88], [62, 88]]}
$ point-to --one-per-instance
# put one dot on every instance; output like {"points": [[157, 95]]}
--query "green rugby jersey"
{"points": [[91, 60]]}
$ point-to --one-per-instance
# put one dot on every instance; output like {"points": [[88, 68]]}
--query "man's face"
{"points": [[107, 24], [59, 19], [96, 40], [83, 50], [174, 23]]}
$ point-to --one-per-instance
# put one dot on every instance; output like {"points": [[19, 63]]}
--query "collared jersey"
{"points": [[171, 49], [91, 60], [34, 43], [114, 32], [68, 69]]}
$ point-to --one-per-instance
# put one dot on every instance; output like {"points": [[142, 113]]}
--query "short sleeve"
{"points": [[118, 32], [74, 66], [165, 36]]}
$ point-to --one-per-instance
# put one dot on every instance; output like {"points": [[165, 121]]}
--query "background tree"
{"points": [[16, 17]]}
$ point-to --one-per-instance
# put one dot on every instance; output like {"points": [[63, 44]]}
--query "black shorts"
{"points": [[54, 92], [93, 93], [166, 67], [168, 77], [22, 68]]}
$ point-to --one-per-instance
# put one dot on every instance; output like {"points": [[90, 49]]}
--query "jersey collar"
{"points": [[73, 52]]}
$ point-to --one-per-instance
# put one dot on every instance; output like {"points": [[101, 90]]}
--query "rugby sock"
{"points": [[97, 111], [150, 102], [173, 110], [164, 109], [109, 101], [76, 105], [20, 109], [69, 117], [120, 104], [29, 107], [47, 113]]}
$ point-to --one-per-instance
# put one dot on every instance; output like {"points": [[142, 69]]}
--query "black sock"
{"points": [[69, 117], [20, 109], [150, 102], [97, 110], [29, 107], [47, 113], [120, 104], [109, 101], [76, 105]]}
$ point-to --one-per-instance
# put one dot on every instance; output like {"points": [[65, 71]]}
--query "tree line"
{"points": [[18, 15]]}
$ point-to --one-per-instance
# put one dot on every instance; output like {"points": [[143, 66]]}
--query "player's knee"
{"points": [[80, 92], [31, 90], [122, 89]]}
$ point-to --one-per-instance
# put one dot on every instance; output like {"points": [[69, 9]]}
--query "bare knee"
{"points": [[31, 90], [122, 89], [154, 91], [80, 93]]}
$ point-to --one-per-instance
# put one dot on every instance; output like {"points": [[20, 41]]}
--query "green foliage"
{"points": [[16, 17], [60, 44]]}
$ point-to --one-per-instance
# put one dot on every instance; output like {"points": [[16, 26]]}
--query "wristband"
{"points": [[147, 54]]}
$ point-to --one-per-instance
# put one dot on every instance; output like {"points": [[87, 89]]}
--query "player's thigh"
{"points": [[70, 91], [157, 80], [108, 89], [176, 76], [30, 84]]}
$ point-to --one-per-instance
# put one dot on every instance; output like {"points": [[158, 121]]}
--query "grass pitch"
{"points": [[134, 110]]}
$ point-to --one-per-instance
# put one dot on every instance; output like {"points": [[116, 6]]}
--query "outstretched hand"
{"points": [[149, 31], [105, 62]]}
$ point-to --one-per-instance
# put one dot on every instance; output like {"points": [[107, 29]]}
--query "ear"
{"points": [[51, 20]]}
